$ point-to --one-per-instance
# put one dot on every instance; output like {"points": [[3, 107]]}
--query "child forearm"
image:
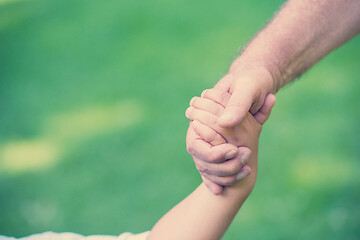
{"points": [[203, 215], [198, 216]]}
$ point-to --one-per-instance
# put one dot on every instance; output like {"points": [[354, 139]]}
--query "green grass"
{"points": [[92, 126]]}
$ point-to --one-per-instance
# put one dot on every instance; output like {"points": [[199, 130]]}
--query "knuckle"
{"points": [[229, 180], [193, 101], [224, 181], [190, 149], [196, 162], [212, 121], [205, 175], [234, 139], [213, 156], [202, 131], [210, 93], [199, 167], [217, 139], [233, 168], [216, 110], [205, 92], [188, 112], [211, 135], [205, 170], [224, 97]]}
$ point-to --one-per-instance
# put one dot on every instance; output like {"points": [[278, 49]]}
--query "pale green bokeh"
{"points": [[64, 130], [92, 133]]}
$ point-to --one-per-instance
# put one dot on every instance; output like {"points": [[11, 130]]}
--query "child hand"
{"points": [[212, 143], [216, 174]]}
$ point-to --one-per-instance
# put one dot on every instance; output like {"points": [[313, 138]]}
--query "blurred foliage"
{"points": [[92, 133]]}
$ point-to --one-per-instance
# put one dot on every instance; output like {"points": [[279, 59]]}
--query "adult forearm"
{"points": [[303, 32]]}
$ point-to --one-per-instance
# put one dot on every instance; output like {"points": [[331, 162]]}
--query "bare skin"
{"points": [[214, 153], [301, 34], [203, 215]]}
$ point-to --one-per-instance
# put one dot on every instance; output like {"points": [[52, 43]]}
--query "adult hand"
{"points": [[220, 163], [212, 155], [211, 160], [248, 88]]}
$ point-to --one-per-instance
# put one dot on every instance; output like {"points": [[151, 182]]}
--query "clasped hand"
{"points": [[221, 154]]}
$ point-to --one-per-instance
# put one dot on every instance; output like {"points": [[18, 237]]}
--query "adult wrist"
{"points": [[266, 76]]}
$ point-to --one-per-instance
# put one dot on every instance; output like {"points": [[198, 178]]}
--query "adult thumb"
{"points": [[237, 107]]}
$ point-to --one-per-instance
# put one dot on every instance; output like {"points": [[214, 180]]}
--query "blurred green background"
{"points": [[92, 126]]}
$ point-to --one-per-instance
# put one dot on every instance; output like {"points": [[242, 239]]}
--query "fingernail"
{"points": [[245, 157], [188, 111], [227, 117], [243, 174], [215, 189], [231, 154], [192, 101], [203, 93], [218, 191]]}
